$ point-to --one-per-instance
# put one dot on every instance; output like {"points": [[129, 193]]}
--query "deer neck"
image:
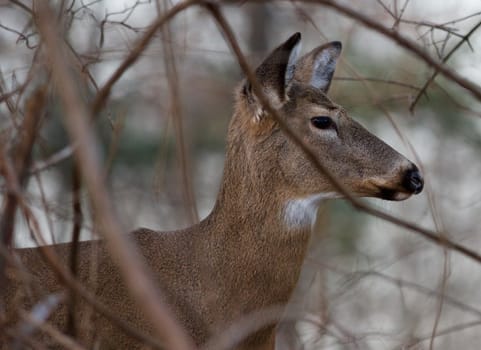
{"points": [[254, 193], [249, 223], [251, 196]]}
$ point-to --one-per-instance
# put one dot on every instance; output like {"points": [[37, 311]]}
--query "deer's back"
{"points": [[171, 264], [196, 273]]}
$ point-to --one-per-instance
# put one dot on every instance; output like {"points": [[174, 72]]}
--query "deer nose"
{"points": [[413, 180]]}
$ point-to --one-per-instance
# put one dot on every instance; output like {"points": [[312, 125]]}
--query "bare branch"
{"points": [[175, 108], [76, 228], [58, 336], [39, 314], [22, 154], [56, 158], [381, 81]]}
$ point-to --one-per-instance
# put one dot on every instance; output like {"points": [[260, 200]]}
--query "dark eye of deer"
{"points": [[322, 122]]}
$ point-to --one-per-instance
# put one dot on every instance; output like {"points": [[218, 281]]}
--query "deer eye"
{"points": [[322, 122]]}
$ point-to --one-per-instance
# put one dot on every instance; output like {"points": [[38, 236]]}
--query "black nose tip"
{"points": [[413, 181]]}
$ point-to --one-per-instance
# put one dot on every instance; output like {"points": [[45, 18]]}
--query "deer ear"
{"points": [[277, 70], [317, 67]]}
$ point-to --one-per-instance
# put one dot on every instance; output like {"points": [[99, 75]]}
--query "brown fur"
{"points": [[243, 257]]}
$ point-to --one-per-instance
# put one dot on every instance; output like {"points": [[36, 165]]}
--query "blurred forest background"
{"points": [[369, 283]]}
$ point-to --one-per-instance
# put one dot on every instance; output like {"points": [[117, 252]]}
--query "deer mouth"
{"points": [[393, 195], [412, 183]]}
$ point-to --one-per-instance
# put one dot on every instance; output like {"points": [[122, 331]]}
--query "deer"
{"points": [[246, 255]]}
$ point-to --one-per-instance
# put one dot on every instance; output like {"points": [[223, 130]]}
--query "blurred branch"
{"points": [[399, 17], [19, 90], [76, 228], [442, 298], [46, 205], [22, 153], [54, 333], [124, 254], [21, 36], [22, 6], [83, 67], [381, 81], [442, 332], [127, 11], [118, 126], [5, 96], [402, 283], [175, 109], [443, 26], [39, 314], [234, 334], [456, 102], [56, 158]]}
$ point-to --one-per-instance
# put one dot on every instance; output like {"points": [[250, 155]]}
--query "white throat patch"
{"points": [[301, 212]]}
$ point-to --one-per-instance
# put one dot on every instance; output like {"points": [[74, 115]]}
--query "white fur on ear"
{"points": [[291, 64], [325, 65]]}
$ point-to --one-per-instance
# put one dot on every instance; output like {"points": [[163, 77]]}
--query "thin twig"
{"points": [[442, 298], [22, 154], [399, 17], [55, 159], [22, 6], [76, 228], [446, 331], [177, 117], [378, 80], [39, 314], [59, 337], [354, 277], [241, 329]]}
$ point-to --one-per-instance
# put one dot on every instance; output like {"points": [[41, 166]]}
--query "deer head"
{"points": [[297, 88]]}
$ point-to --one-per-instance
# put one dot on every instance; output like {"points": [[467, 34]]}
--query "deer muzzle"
{"points": [[410, 182], [413, 181]]}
